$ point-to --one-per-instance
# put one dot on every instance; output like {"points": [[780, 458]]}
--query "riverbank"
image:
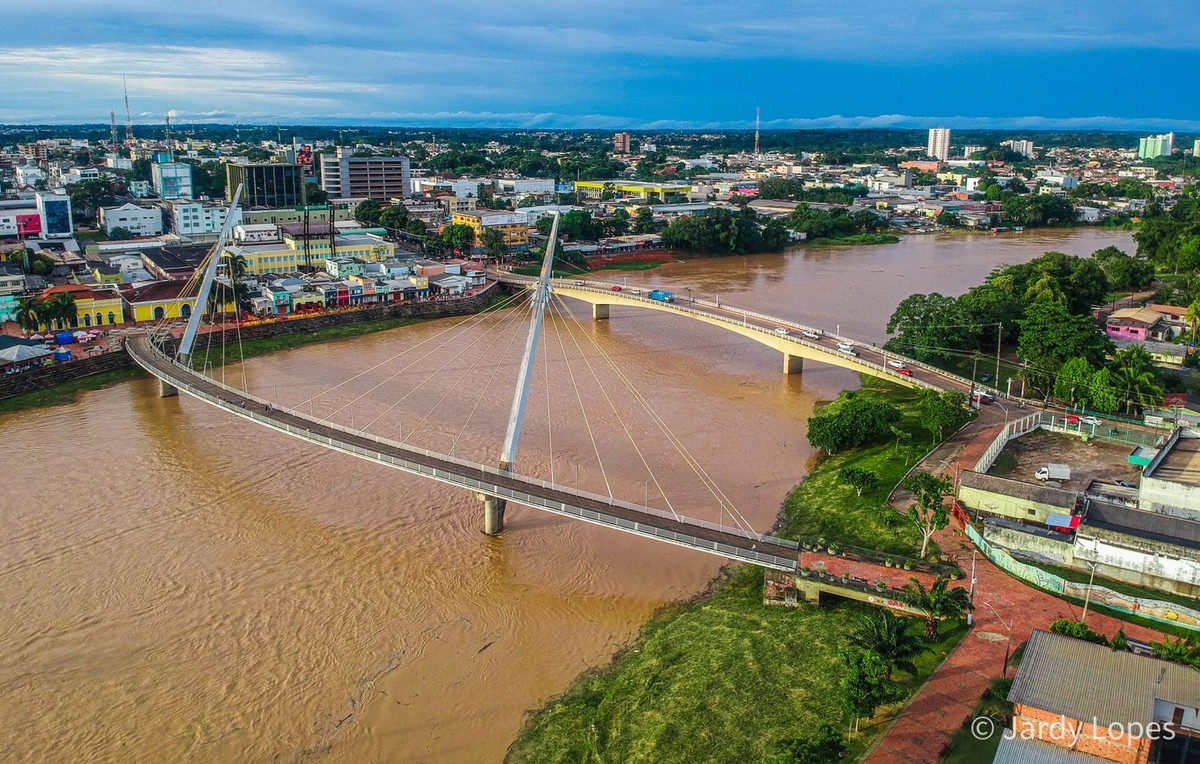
{"points": [[858, 238], [724, 678]]}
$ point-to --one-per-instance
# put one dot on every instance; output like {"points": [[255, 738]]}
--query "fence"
{"points": [[1154, 610], [1051, 421]]}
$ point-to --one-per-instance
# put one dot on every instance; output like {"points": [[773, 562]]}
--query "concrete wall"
{"points": [[1139, 562], [1170, 498], [1030, 546], [49, 376], [1007, 506]]}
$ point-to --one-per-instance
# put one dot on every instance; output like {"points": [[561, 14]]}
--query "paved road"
{"points": [[746, 547]]}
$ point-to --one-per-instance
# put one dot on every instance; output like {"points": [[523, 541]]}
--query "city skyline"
{"points": [[542, 65]]}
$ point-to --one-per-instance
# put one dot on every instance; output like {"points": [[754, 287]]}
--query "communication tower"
{"points": [[757, 120], [128, 116]]}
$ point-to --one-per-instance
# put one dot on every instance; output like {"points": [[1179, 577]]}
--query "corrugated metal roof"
{"points": [[1081, 680], [1019, 751], [1149, 525], [1018, 489]]}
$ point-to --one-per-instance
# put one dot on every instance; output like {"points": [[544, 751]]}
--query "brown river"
{"points": [[181, 585]]}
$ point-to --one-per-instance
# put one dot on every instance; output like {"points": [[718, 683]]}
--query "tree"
{"points": [[859, 479], [493, 243], [63, 309], [825, 746], [1050, 335], [643, 221], [1102, 392], [618, 223], [27, 316], [937, 602], [368, 212], [944, 410], [394, 217], [1123, 271], [458, 236], [1077, 630], [1138, 387], [948, 219], [314, 194], [929, 327], [929, 514], [851, 422], [1073, 381], [1193, 317], [865, 683], [235, 264], [888, 635], [119, 233]]}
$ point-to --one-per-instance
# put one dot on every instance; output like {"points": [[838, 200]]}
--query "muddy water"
{"points": [[178, 585]]}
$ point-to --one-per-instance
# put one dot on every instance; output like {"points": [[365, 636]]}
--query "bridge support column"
{"points": [[167, 390], [599, 312], [792, 364], [493, 514]]}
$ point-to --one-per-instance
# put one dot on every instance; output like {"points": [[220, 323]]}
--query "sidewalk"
{"points": [[923, 729]]}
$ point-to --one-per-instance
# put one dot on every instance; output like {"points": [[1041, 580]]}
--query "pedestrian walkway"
{"points": [[944, 705]]}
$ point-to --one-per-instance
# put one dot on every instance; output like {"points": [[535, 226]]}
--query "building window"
{"points": [[87, 319], [99, 319], [112, 317], [159, 313], [1031, 511], [185, 311]]}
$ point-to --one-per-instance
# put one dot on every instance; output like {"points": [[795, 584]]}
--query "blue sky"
{"points": [[537, 63]]}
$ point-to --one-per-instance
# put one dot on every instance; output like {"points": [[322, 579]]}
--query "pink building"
{"points": [[1136, 324]]}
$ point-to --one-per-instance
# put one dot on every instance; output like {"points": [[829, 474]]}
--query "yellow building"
{"points": [[514, 225], [159, 300], [94, 306], [289, 255], [597, 189]]}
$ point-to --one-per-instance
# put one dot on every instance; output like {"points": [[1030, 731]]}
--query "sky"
{"points": [[1044, 64]]}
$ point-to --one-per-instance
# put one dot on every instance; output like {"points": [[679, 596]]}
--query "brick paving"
{"points": [[922, 730]]}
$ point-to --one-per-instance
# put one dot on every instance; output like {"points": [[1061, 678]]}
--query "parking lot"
{"points": [[1088, 461]]}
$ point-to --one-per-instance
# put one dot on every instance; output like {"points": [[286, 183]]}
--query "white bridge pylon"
{"points": [[493, 507]]}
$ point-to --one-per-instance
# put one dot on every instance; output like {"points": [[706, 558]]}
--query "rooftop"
{"points": [[1081, 680], [1043, 494], [1181, 463], [1153, 526]]}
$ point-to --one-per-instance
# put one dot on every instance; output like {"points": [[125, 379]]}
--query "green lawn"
{"points": [[67, 391], [858, 238], [637, 265], [965, 747], [720, 680], [823, 507]]}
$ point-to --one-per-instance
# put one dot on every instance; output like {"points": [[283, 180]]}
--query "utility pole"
{"points": [[974, 368], [999, 335], [1087, 599]]}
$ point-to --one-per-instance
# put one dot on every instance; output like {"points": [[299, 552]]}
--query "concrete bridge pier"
{"points": [[167, 390], [493, 514], [792, 364], [599, 312]]}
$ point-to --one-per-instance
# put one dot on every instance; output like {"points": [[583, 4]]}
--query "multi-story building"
{"points": [[187, 217], [939, 143], [140, 221], [596, 189], [172, 180], [621, 143], [266, 184], [295, 251], [28, 175], [94, 305], [525, 185], [514, 225], [380, 178], [54, 210], [343, 209], [968, 150], [1156, 146]]}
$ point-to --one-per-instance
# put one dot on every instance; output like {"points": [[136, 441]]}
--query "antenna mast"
{"points": [[757, 120], [170, 146], [112, 132], [128, 116]]}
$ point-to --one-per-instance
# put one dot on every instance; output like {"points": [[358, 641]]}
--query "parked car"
{"points": [[985, 377], [904, 371], [1059, 472], [1091, 421]]}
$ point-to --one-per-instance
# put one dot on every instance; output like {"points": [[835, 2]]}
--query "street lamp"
{"points": [[1087, 598], [1007, 647]]}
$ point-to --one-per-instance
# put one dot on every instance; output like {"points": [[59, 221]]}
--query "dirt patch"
{"points": [[1088, 461]]}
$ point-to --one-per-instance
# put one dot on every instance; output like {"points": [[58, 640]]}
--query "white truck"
{"points": [[1059, 472]]}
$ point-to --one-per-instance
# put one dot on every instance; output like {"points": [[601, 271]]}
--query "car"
{"points": [[982, 398], [1091, 421], [985, 377], [904, 371], [781, 331], [812, 334], [635, 290], [1072, 419], [1124, 483], [845, 347], [616, 287], [895, 363], [580, 283]]}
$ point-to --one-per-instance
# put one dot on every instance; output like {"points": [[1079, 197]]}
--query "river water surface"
{"points": [[179, 585]]}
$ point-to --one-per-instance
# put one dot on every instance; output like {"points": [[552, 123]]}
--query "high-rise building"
{"points": [[1022, 147], [939, 143], [621, 143], [55, 213], [266, 184], [346, 176], [1156, 146], [172, 180], [968, 150], [1196, 148]]}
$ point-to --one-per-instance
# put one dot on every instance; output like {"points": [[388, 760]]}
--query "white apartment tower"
{"points": [[939, 143]]}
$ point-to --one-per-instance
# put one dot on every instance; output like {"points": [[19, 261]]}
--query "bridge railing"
{"points": [[188, 373]]}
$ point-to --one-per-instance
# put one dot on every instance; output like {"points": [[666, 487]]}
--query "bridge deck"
{"points": [[730, 543]]}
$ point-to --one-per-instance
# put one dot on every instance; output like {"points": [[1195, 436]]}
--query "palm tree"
{"points": [[1193, 317], [1138, 387], [64, 309], [27, 316], [45, 313], [236, 265], [888, 635], [937, 602]]}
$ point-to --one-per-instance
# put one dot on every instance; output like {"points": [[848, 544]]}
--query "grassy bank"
{"points": [[823, 507], [858, 238], [567, 271], [68, 391], [725, 678], [637, 265], [722, 679]]}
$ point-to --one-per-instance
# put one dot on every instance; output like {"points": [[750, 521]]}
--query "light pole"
{"points": [[971, 594], [1007, 647], [1087, 598]]}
